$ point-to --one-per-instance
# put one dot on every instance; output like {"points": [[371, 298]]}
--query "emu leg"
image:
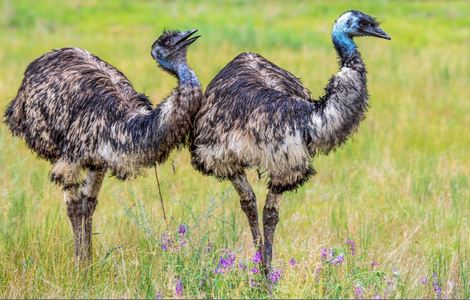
{"points": [[89, 193], [80, 211], [248, 204], [270, 220], [81, 204], [76, 216]]}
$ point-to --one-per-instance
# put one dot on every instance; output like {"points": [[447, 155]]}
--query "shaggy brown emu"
{"points": [[81, 113], [256, 114]]}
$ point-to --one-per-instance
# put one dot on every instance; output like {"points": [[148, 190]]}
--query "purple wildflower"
{"points": [[179, 288], [292, 262], [255, 270], [423, 280], [182, 229], [230, 260], [274, 276], [253, 283], [158, 295], [324, 253], [257, 257], [241, 266], [438, 292], [352, 246], [338, 259], [165, 241], [225, 263], [358, 292], [435, 284]]}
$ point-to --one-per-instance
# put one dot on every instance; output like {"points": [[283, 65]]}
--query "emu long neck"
{"points": [[157, 133], [343, 106], [347, 51], [344, 45], [186, 76], [181, 71]]}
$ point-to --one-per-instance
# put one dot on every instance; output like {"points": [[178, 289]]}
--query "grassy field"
{"points": [[399, 189]]}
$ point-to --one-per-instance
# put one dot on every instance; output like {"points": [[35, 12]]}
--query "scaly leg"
{"points": [[248, 204], [81, 203], [270, 220]]}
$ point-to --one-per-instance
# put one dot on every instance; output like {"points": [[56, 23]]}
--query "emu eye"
{"points": [[168, 43], [367, 24]]}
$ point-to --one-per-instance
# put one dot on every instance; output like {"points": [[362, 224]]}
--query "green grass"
{"points": [[400, 188]]}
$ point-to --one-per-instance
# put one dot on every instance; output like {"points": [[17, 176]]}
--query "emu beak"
{"points": [[377, 32], [184, 39]]}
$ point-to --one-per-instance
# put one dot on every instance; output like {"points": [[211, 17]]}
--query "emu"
{"points": [[256, 114], [82, 114]]}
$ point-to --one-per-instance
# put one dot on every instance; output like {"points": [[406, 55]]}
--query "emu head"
{"points": [[355, 23], [169, 50]]}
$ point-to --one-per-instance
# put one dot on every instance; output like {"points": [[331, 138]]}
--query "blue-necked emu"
{"points": [[82, 114], [256, 114]]}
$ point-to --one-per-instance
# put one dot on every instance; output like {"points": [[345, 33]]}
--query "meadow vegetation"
{"points": [[386, 216]]}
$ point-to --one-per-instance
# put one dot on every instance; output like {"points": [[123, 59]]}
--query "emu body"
{"points": [[74, 109], [258, 115], [81, 113]]}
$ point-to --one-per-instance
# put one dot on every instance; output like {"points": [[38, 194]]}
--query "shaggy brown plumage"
{"points": [[256, 114], [81, 113]]}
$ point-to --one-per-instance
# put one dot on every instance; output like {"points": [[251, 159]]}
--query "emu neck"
{"points": [[342, 108], [180, 69], [154, 134], [186, 76], [344, 45]]}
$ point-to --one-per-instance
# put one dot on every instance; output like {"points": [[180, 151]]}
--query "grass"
{"points": [[400, 188]]}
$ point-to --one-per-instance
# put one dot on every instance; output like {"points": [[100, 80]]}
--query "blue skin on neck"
{"points": [[185, 75], [342, 40]]}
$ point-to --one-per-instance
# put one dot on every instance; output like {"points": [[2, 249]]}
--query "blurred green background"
{"points": [[400, 188]]}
